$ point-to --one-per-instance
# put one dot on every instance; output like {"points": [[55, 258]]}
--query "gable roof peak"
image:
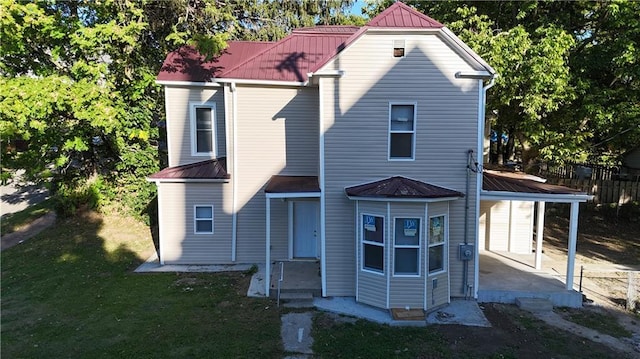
{"points": [[401, 15]]}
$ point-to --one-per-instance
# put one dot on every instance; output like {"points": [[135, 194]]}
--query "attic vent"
{"points": [[398, 48]]}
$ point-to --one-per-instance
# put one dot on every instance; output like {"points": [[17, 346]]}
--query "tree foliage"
{"points": [[78, 79]]}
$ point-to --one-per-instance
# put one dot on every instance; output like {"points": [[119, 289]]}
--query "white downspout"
{"points": [[482, 104], [234, 179], [323, 244]]}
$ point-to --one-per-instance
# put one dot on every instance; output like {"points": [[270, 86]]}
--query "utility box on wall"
{"points": [[466, 252]]}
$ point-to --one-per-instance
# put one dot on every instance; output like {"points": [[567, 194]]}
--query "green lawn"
{"points": [[70, 292]]}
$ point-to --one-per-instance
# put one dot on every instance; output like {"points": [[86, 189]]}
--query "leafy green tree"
{"points": [[78, 80]]}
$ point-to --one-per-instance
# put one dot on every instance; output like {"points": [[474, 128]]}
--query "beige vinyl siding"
{"points": [[485, 215], [372, 289], [179, 243], [508, 226], [177, 101], [356, 132], [521, 235], [277, 135], [498, 223], [440, 295]]}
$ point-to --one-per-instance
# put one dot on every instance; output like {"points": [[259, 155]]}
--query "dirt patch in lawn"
{"points": [[519, 334], [514, 334]]}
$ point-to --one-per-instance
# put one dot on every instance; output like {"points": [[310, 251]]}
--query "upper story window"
{"points": [[203, 129], [402, 131], [373, 243], [398, 48]]}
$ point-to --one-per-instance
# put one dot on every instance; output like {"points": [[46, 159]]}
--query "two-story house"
{"points": [[353, 146]]}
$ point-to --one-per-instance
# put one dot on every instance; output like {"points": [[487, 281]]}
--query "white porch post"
{"points": [[539, 231], [573, 238], [267, 269]]}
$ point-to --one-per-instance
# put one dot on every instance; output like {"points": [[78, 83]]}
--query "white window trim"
{"points": [[412, 246], [445, 244], [196, 219], [363, 242], [193, 105], [414, 132]]}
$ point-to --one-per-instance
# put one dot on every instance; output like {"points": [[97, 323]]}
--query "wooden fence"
{"points": [[604, 191]]}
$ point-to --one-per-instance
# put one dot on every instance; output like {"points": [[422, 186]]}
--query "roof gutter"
{"points": [[187, 180], [260, 82], [536, 197]]}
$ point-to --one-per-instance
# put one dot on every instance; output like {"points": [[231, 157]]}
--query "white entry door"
{"points": [[305, 229]]}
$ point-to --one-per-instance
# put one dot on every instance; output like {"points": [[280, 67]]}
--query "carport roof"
{"points": [[514, 182]]}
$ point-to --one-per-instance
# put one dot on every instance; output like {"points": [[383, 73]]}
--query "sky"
{"points": [[357, 6]]}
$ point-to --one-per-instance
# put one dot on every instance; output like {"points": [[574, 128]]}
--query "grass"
{"points": [[364, 339], [70, 292], [604, 323], [14, 221]]}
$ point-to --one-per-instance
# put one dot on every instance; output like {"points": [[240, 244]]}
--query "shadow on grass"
{"points": [[70, 292]]}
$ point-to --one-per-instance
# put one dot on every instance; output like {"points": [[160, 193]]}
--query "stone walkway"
{"points": [[27, 232]]}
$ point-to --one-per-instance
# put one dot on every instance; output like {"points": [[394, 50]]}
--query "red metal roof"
{"points": [[210, 169], [290, 59], [402, 15], [511, 182], [186, 63], [292, 184], [400, 187]]}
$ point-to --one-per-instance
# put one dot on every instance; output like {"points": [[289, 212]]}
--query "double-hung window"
{"points": [[402, 131], [203, 219], [203, 129], [407, 247], [373, 243], [437, 242]]}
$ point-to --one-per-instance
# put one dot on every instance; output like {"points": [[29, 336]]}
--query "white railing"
{"points": [[280, 282]]}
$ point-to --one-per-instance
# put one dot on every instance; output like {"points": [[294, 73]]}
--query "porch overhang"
{"points": [[284, 187], [507, 186], [292, 187]]}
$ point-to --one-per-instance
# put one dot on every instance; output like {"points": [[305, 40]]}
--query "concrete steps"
{"points": [[297, 299]]}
